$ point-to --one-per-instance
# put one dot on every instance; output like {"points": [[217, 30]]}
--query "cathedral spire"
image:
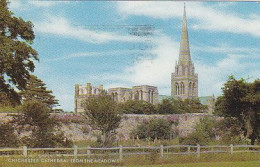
{"points": [[184, 55]]}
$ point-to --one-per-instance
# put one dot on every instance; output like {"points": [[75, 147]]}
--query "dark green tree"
{"points": [[35, 118], [16, 53], [166, 107], [179, 106], [102, 114], [137, 107], [229, 130], [8, 138], [241, 100], [194, 106], [36, 91], [204, 133], [153, 129]]}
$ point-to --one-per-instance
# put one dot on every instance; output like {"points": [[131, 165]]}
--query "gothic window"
{"points": [[177, 88], [137, 95], [193, 89], [82, 91], [182, 88], [152, 97], [190, 88]]}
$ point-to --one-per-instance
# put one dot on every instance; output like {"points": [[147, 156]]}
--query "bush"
{"points": [[137, 107], [44, 129], [153, 129], [204, 133], [8, 138]]}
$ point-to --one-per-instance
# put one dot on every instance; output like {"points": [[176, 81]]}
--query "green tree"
{"points": [[166, 107], [204, 132], [36, 91], [137, 107], [179, 106], [35, 118], [241, 100], [153, 129], [8, 138], [16, 53], [102, 114], [229, 130]]}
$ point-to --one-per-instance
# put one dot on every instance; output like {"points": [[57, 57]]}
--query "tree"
{"points": [[179, 106], [37, 91], [241, 100], [35, 118], [203, 134], [165, 107], [153, 129], [194, 106], [16, 53], [229, 130], [102, 114], [8, 138], [137, 107]]}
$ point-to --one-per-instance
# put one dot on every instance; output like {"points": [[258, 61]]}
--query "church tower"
{"points": [[184, 81]]}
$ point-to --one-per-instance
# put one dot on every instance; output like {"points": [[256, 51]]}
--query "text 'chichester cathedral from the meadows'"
{"points": [[184, 82]]}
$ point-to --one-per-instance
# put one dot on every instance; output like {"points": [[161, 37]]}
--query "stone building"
{"points": [[184, 81], [82, 92], [143, 92]]}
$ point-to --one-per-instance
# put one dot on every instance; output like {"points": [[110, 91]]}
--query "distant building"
{"points": [[143, 92], [83, 92]]}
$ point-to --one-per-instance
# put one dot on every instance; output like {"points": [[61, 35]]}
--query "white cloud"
{"points": [[38, 3], [15, 4], [207, 18], [62, 27], [158, 71]]}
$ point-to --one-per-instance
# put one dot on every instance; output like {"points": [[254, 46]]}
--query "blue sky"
{"points": [[83, 41]]}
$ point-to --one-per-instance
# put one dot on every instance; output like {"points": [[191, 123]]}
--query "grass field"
{"points": [[213, 164], [207, 160]]}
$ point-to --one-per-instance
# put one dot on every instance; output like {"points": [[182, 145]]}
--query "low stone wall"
{"points": [[76, 130]]}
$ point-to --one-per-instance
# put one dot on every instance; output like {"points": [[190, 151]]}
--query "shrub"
{"points": [[45, 132], [8, 138], [153, 129], [204, 133]]}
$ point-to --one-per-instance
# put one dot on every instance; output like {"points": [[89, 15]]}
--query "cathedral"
{"points": [[184, 82]]}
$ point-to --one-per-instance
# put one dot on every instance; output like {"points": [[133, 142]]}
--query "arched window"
{"points": [[193, 89], [182, 88], [190, 88], [137, 95], [177, 88], [152, 97]]}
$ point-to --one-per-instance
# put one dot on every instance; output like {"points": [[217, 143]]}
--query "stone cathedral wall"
{"points": [[75, 129]]}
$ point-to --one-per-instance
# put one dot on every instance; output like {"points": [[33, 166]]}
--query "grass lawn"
{"points": [[210, 160], [214, 164]]}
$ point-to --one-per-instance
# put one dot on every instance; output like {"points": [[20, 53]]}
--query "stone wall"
{"points": [[77, 130]]}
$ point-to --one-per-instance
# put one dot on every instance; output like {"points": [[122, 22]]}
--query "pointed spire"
{"points": [[184, 55]]}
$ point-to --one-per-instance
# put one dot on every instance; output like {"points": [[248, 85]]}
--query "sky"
{"points": [[123, 44]]}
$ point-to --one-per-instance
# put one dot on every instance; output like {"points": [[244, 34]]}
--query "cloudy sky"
{"points": [[133, 43]]}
